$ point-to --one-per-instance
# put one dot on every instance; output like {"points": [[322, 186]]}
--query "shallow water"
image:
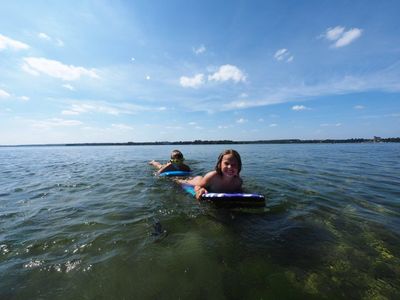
{"points": [[94, 223]]}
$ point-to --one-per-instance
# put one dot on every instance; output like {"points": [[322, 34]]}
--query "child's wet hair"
{"points": [[176, 154], [229, 151]]}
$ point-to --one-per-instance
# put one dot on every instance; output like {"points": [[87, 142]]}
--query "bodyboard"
{"points": [[227, 199], [175, 173]]}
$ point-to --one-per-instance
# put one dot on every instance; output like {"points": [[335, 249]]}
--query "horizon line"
{"points": [[211, 142]]}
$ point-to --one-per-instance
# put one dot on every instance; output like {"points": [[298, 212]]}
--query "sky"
{"points": [[155, 70]]}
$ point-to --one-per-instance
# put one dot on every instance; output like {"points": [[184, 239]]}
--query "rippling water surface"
{"points": [[95, 223]]}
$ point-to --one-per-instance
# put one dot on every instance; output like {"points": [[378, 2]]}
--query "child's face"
{"points": [[229, 165]]}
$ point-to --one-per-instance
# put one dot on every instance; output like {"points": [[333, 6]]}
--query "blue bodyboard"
{"points": [[175, 173]]}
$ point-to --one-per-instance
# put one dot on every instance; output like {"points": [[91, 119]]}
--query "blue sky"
{"points": [[119, 71]]}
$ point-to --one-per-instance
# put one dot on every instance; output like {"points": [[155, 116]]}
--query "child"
{"points": [[225, 178], [175, 163]]}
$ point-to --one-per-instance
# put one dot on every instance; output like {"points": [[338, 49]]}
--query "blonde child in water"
{"points": [[224, 179], [175, 163]]}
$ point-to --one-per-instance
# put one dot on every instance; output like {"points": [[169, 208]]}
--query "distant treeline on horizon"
{"points": [[229, 142]]}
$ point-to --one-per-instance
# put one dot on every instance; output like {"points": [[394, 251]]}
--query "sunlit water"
{"points": [[95, 223]]}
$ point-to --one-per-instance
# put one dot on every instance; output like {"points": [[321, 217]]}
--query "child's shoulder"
{"points": [[211, 174], [185, 168]]}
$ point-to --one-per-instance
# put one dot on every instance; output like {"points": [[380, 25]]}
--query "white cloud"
{"points": [[224, 73], [199, 50], [24, 98], [148, 77], [241, 104], [348, 37], [299, 107], [334, 34], [28, 70], [68, 87], [44, 36], [273, 125], [122, 126], [108, 108], [53, 68], [331, 125], [4, 94], [359, 107], [283, 54], [193, 82], [383, 80], [241, 121], [192, 123], [6, 42], [341, 37], [58, 42], [55, 122], [280, 54], [238, 104], [70, 113], [228, 72], [77, 109]]}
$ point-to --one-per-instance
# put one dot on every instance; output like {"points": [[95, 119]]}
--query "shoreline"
{"points": [[223, 142]]}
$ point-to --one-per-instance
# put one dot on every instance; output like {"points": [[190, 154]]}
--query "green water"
{"points": [[81, 223]]}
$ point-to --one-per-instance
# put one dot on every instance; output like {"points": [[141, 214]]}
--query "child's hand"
{"points": [[200, 191]]}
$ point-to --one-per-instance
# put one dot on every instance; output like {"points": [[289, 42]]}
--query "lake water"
{"points": [[95, 223]]}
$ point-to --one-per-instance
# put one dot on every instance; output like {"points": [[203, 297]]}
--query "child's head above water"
{"points": [[177, 156], [236, 157]]}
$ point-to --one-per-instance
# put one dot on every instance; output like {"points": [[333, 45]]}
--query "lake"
{"points": [[95, 223]]}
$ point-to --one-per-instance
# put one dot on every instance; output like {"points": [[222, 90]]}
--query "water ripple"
{"points": [[330, 228]]}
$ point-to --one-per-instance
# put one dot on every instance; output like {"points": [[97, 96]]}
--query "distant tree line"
{"points": [[375, 139], [230, 142]]}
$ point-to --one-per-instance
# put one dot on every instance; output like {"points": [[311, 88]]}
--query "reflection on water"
{"points": [[95, 223]]}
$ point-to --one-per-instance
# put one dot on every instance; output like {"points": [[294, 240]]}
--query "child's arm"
{"points": [[199, 191], [200, 187], [164, 168], [155, 164]]}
